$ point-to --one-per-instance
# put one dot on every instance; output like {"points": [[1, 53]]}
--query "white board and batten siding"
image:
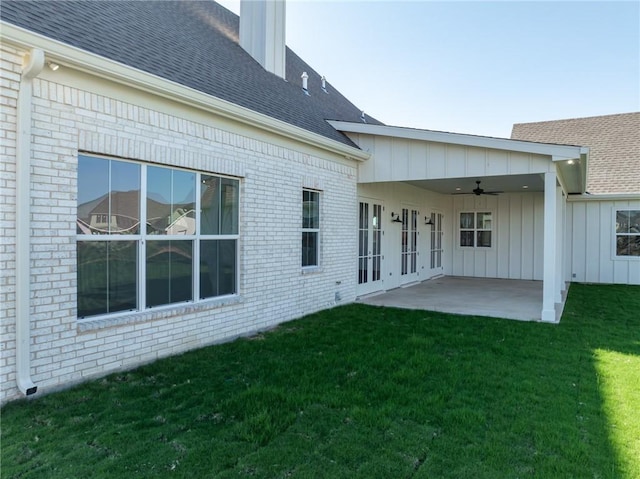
{"points": [[400, 159], [517, 237], [591, 239], [517, 243], [394, 196]]}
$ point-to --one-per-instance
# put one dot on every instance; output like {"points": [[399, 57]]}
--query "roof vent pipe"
{"points": [[324, 84], [362, 117], [305, 79]]}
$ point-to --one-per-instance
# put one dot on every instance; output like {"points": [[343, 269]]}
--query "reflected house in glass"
{"points": [[100, 219], [200, 192], [115, 213]]}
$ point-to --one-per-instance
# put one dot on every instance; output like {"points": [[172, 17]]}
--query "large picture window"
{"points": [[150, 236], [627, 233], [476, 229], [310, 228]]}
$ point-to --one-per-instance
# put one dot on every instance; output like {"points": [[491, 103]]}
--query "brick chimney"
{"points": [[262, 33]]}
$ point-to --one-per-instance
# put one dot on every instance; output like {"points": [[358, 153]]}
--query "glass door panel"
{"points": [[436, 243], [409, 245], [369, 247]]}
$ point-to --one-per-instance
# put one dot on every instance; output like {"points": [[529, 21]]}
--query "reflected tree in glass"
{"points": [[107, 277], [170, 201], [217, 268], [169, 271]]}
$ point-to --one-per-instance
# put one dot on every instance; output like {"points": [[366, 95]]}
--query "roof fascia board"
{"points": [[557, 152], [76, 58], [606, 197]]}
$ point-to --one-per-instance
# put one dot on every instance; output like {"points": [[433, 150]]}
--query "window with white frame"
{"points": [[149, 236], [476, 229], [627, 233], [310, 228]]}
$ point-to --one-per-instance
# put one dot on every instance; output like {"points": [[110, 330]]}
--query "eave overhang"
{"points": [[81, 60]]}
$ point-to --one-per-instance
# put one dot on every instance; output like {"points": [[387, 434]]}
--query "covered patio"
{"points": [[498, 298], [520, 235]]}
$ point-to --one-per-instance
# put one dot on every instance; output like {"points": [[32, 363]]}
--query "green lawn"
{"points": [[361, 392]]}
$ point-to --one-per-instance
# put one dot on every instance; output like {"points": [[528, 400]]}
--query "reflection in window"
{"points": [[107, 277], [170, 202], [628, 233], [108, 197], [217, 268], [169, 272], [176, 246], [475, 229]]}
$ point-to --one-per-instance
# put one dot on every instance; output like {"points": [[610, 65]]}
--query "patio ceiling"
{"points": [[507, 184]]}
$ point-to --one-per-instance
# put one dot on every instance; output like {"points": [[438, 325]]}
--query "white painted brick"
{"points": [[273, 289]]}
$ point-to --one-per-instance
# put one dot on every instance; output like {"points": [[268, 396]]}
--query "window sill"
{"points": [[311, 270], [161, 312], [626, 258]]}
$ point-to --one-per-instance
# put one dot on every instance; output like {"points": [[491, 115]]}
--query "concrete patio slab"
{"points": [[498, 298]]}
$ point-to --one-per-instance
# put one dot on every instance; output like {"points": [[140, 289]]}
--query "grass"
{"points": [[361, 392]]}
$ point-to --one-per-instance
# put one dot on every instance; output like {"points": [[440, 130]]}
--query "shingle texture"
{"points": [[194, 43], [614, 147]]}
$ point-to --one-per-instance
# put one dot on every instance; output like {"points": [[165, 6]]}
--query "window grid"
{"points": [[476, 229], [310, 228], [409, 245], [627, 233], [166, 254]]}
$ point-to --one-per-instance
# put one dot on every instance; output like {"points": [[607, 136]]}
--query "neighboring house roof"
{"points": [[193, 43], [614, 147]]}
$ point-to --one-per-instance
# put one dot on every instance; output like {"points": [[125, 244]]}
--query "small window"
{"points": [[310, 228], [476, 229], [628, 233]]}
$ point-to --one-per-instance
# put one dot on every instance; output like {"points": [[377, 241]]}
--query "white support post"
{"points": [[559, 244], [551, 257]]}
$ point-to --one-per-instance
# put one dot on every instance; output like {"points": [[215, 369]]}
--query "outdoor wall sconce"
{"points": [[395, 218], [427, 221]]}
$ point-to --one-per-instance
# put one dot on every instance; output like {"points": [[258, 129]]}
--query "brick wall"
{"points": [[273, 287], [10, 62]]}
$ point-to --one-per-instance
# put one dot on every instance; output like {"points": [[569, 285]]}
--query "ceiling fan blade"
{"points": [[493, 193]]}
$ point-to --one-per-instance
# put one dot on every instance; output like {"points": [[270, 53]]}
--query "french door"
{"points": [[369, 246], [409, 246], [436, 244]]}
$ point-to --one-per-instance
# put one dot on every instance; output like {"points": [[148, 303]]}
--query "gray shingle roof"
{"points": [[194, 43], [614, 147]]}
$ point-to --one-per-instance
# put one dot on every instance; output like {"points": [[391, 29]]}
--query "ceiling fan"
{"points": [[479, 191]]}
